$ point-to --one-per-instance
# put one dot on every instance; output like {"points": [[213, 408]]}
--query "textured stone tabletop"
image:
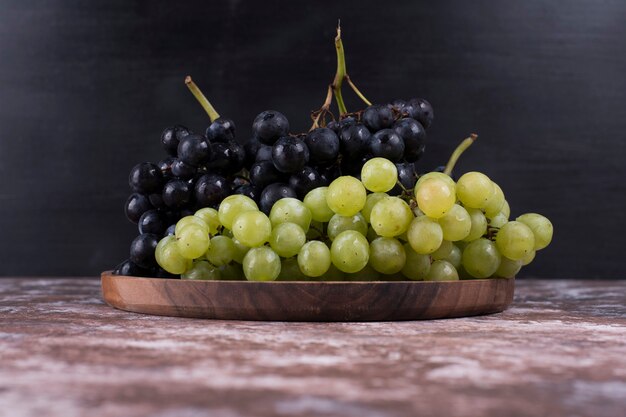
{"points": [[559, 351]]}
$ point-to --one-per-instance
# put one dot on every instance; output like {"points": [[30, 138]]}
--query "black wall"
{"points": [[86, 89]]}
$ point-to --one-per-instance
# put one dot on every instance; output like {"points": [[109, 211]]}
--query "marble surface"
{"points": [[560, 350]]}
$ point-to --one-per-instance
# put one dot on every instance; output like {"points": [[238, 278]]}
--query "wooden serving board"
{"points": [[307, 301]]}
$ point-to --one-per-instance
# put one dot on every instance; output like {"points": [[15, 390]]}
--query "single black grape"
{"points": [[346, 122], [248, 190], [272, 193], [323, 145], [156, 199], [131, 269], [152, 221], [414, 136], [397, 105], [333, 125], [211, 189], [182, 170], [387, 144], [406, 176], [171, 136], [228, 157], [250, 148], [221, 130], [377, 117], [353, 166], [304, 181], [264, 153], [145, 178], [136, 205], [329, 173], [354, 140], [142, 250], [264, 173], [290, 154], [165, 165], [162, 273], [269, 126], [177, 193], [194, 150], [420, 110]]}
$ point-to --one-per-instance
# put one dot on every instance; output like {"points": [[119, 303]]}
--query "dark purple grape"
{"points": [[182, 170], [238, 181], [171, 136], [397, 105], [250, 148], [353, 166], [264, 153], [346, 122], [329, 173], [420, 110], [145, 178], [170, 230], [248, 190], [304, 181], [377, 117], [264, 173], [156, 199], [136, 205], [269, 126], [406, 176], [194, 150], [323, 145], [333, 125], [387, 144], [177, 193], [162, 273], [290, 154], [221, 130], [131, 269], [211, 189], [142, 250], [414, 137], [228, 158], [354, 140], [165, 165], [152, 221], [272, 193]]}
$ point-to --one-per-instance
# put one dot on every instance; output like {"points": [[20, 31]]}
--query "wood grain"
{"points": [[307, 301]]}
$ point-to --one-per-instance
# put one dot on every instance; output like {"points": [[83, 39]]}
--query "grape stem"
{"points": [[458, 152], [206, 105], [321, 113]]}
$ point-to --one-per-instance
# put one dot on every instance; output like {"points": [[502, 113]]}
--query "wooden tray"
{"points": [[307, 301]]}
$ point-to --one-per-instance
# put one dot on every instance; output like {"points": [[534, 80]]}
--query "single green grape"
{"points": [[240, 251], [315, 201], [291, 210], [370, 202], [221, 250], [454, 257], [202, 270], [442, 271], [435, 197], [528, 258], [169, 258], [499, 220], [425, 235], [479, 225], [210, 217], [456, 224], [252, 228], [379, 175], [261, 264], [515, 240], [416, 266], [346, 196], [391, 217], [314, 258], [474, 189], [234, 205], [435, 174], [387, 255], [506, 210], [338, 224], [193, 241], [481, 258], [541, 227], [290, 271], [187, 220], [495, 202], [349, 251], [443, 251], [508, 268], [287, 239]]}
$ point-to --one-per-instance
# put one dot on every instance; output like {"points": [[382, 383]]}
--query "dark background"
{"points": [[86, 89]]}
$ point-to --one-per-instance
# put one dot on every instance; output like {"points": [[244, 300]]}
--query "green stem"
{"points": [[458, 151], [206, 105], [356, 90], [341, 72]]}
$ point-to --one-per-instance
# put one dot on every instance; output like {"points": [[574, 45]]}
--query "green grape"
{"points": [[541, 227], [367, 273], [454, 257], [437, 175], [481, 258], [370, 202], [379, 175], [316, 230], [443, 251], [435, 197], [349, 251], [495, 202], [252, 228], [508, 268], [528, 258], [463, 273], [479, 225], [391, 217], [442, 271], [240, 251], [168, 256], [187, 220], [234, 205], [456, 224], [210, 217], [221, 250], [387, 255], [314, 258], [261, 264], [506, 210], [193, 241], [202, 271], [333, 274], [287, 239], [474, 189], [424, 235], [416, 266], [498, 221], [290, 271], [371, 233], [515, 240], [315, 200], [231, 272], [291, 210], [346, 196], [338, 224]]}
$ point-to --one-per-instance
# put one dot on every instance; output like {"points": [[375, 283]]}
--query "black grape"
{"points": [[323, 145], [290, 154], [353, 140], [194, 150], [270, 125], [136, 205], [171, 136], [352, 166], [397, 105], [248, 190], [406, 176], [131, 269], [228, 158], [142, 250], [177, 193], [264, 153], [387, 144], [165, 165], [272, 193], [182, 170], [304, 181], [329, 173], [414, 135], [377, 117], [152, 221], [250, 148], [221, 130], [170, 230], [145, 178], [264, 173], [420, 110], [156, 199], [211, 189]]}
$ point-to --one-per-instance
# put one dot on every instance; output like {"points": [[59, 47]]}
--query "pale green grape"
{"points": [[454, 257], [349, 251], [210, 217], [187, 220], [370, 202], [315, 200], [290, 271], [252, 228], [416, 266], [234, 205], [515, 240], [508, 268], [495, 202], [221, 250], [424, 235], [437, 175], [231, 272], [481, 258], [346, 196], [479, 225], [193, 241], [499, 220], [541, 227], [169, 258], [202, 271], [474, 189], [456, 224], [261, 264], [391, 217], [291, 210], [379, 175], [314, 258], [435, 197], [338, 224], [287, 239], [506, 210], [528, 258], [442, 271], [387, 255], [240, 251], [368, 273], [443, 251]]}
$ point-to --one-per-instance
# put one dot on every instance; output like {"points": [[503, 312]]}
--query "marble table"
{"points": [[560, 350]]}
